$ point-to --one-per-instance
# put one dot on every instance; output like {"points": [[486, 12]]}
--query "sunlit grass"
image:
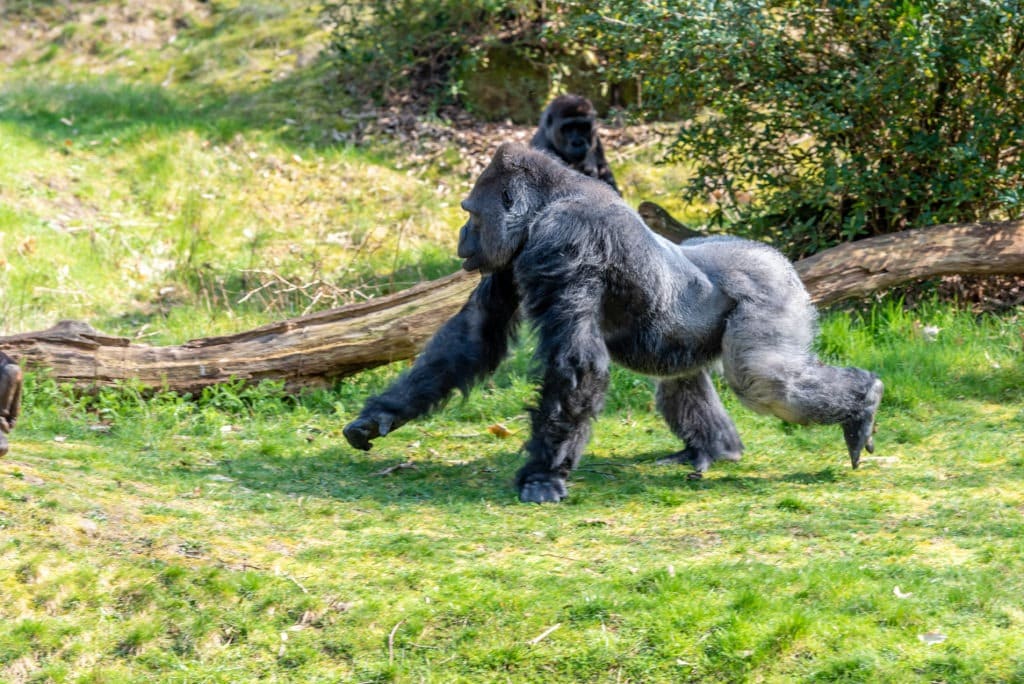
{"points": [[235, 536]]}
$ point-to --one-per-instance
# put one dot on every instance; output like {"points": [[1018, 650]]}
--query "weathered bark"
{"points": [[314, 349], [855, 269], [304, 352]]}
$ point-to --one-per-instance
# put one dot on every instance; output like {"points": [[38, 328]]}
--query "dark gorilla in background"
{"points": [[10, 398], [565, 252], [568, 129]]}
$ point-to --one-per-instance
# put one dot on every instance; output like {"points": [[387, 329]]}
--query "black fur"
{"points": [[568, 129], [565, 252], [466, 349], [10, 398]]}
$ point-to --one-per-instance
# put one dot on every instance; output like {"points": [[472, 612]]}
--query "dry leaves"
{"points": [[933, 637], [499, 430]]}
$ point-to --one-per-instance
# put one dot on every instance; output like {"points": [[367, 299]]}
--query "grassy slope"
{"points": [[234, 538], [145, 180]]}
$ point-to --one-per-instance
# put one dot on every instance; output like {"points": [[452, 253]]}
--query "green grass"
{"points": [[157, 183], [235, 537], [169, 189]]}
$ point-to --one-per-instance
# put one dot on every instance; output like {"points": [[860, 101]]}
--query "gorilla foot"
{"points": [[858, 431], [699, 459], [4, 446], [543, 488]]}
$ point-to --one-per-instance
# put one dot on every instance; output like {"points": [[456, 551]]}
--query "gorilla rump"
{"points": [[568, 129], [565, 252]]}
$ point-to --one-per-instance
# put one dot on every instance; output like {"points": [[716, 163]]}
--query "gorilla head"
{"points": [[500, 207], [569, 124], [568, 129]]}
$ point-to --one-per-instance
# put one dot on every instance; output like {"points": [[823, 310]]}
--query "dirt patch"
{"points": [[428, 140]]}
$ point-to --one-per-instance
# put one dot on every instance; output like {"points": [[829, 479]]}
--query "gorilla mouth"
{"points": [[573, 157]]}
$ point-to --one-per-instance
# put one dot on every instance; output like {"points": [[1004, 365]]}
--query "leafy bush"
{"points": [[808, 123], [824, 122]]}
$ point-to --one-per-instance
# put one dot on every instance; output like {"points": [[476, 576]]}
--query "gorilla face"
{"points": [[470, 249], [568, 130], [492, 236], [574, 138]]}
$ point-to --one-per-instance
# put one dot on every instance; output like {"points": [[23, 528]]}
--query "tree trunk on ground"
{"points": [[307, 351], [855, 269], [314, 349]]}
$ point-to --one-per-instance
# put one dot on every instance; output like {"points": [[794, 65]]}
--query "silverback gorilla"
{"points": [[563, 251], [568, 129]]}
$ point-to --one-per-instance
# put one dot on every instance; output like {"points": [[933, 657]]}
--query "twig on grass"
{"points": [[391, 641], [609, 476], [543, 635], [390, 469], [596, 466], [297, 582], [555, 555]]}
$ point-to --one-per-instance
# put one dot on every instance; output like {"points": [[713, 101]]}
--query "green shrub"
{"points": [[824, 122]]}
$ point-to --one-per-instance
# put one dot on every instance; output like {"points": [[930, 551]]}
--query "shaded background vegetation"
{"points": [[810, 123]]}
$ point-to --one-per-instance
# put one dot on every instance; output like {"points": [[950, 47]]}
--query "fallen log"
{"points": [[665, 224], [307, 351], [855, 269], [315, 349]]}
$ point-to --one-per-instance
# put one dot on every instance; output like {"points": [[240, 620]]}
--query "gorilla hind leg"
{"points": [[695, 414], [768, 364]]}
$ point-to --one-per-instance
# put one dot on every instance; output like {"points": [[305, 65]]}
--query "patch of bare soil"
{"points": [[430, 140]]}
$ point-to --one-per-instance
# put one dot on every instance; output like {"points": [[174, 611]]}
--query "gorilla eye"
{"points": [[506, 198]]}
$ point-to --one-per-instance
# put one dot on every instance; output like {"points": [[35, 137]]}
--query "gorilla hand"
{"points": [[364, 429]]}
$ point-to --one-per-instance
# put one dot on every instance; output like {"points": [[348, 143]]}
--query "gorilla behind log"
{"points": [[10, 398], [566, 253], [568, 129]]}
